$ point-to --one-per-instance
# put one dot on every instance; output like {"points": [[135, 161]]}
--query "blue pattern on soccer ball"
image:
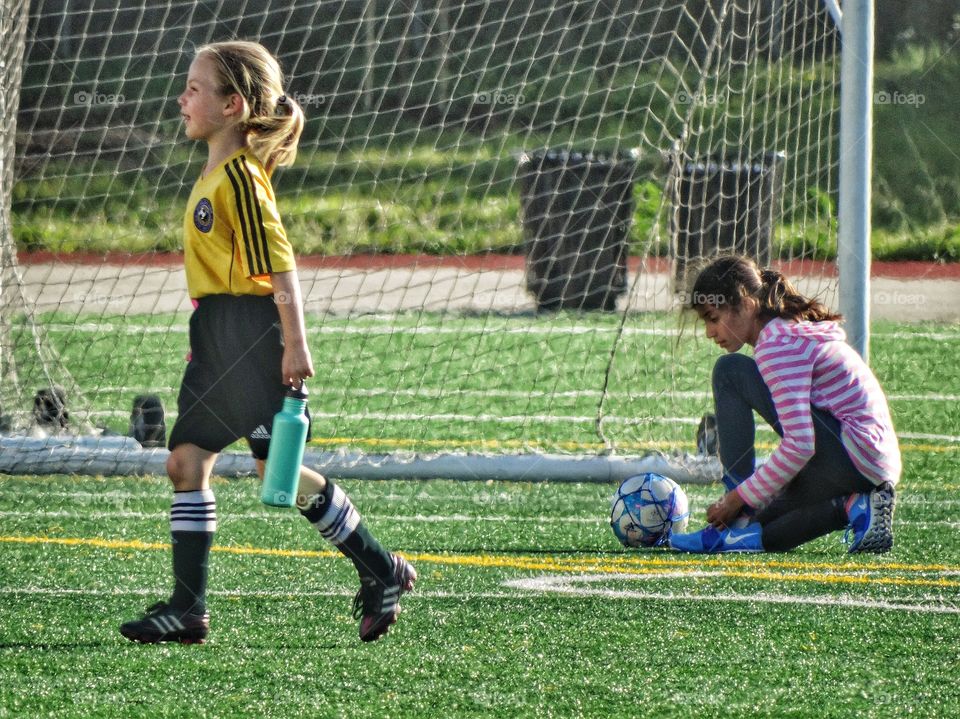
{"points": [[646, 509]]}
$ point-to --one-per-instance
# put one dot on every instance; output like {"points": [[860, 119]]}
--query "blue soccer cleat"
{"points": [[711, 540], [871, 520]]}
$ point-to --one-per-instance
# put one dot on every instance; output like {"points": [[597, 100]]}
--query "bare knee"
{"points": [[189, 468]]}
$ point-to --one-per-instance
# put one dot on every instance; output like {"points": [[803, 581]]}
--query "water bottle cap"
{"points": [[300, 393]]}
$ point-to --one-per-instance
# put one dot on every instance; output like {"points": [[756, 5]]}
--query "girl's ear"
{"points": [[234, 106], [750, 306]]}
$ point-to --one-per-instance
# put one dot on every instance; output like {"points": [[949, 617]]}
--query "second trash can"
{"points": [[723, 205], [577, 209]]}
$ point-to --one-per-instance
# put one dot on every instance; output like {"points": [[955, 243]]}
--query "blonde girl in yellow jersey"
{"points": [[247, 339]]}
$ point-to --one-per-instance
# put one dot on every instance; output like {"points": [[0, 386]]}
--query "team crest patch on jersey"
{"points": [[203, 215]]}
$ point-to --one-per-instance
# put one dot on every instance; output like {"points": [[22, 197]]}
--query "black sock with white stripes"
{"points": [[193, 520], [332, 513]]}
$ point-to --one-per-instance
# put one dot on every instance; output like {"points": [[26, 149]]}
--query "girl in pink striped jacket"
{"points": [[838, 458]]}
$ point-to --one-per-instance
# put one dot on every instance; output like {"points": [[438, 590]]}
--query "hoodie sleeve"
{"points": [[786, 365]]}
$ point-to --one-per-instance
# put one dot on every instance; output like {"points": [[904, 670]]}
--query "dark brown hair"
{"points": [[728, 280]]}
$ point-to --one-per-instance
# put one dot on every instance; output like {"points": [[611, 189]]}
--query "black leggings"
{"points": [[812, 504]]}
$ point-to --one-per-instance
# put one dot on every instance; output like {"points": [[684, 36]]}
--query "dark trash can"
{"points": [[722, 206], [576, 209]]}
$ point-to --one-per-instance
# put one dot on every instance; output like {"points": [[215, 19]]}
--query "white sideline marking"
{"points": [[446, 392], [591, 393], [266, 593], [519, 418], [531, 589], [931, 437], [567, 585], [599, 520], [453, 417], [111, 328], [510, 419], [291, 515], [362, 329], [482, 498]]}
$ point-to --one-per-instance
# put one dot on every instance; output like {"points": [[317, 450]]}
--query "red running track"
{"points": [[906, 270]]}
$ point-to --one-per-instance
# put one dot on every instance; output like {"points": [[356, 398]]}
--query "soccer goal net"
{"points": [[497, 207]]}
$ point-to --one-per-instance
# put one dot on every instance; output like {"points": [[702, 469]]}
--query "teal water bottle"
{"points": [[289, 435]]}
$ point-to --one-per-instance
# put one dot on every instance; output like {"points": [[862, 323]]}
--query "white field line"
{"points": [[568, 585], [532, 589], [416, 417], [295, 516], [458, 518], [371, 329], [454, 417], [260, 593], [484, 498], [928, 437], [444, 393], [403, 331]]}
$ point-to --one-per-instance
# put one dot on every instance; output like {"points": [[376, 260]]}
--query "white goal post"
{"points": [[497, 208]]}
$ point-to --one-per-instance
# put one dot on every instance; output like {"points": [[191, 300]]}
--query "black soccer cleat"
{"points": [[377, 604], [162, 623]]}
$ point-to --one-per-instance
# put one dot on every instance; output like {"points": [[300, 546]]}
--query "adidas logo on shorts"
{"points": [[260, 433]]}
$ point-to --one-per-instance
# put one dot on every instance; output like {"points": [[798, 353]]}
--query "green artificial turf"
{"points": [[526, 605], [431, 381], [811, 633]]}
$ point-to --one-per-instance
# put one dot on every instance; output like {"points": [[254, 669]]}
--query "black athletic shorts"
{"points": [[232, 386]]}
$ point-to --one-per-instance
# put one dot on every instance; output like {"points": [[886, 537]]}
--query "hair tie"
{"points": [[282, 100]]}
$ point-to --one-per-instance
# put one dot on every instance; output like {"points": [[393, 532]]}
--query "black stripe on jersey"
{"points": [[256, 206], [249, 193], [238, 196]]}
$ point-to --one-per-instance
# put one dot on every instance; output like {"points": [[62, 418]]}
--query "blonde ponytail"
{"points": [[274, 138], [272, 120]]}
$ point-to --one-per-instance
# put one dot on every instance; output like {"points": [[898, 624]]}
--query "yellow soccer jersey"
{"points": [[232, 234]]}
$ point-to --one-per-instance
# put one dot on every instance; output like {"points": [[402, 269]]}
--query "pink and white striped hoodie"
{"points": [[810, 363]]}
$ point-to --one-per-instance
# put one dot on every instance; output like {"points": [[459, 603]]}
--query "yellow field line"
{"points": [[835, 574], [136, 545]]}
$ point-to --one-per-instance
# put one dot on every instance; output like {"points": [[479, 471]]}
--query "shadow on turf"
{"points": [[55, 646], [520, 550], [72, 646]]}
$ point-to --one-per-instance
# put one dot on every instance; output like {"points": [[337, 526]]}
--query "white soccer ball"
{"points": [[646, 508]]}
